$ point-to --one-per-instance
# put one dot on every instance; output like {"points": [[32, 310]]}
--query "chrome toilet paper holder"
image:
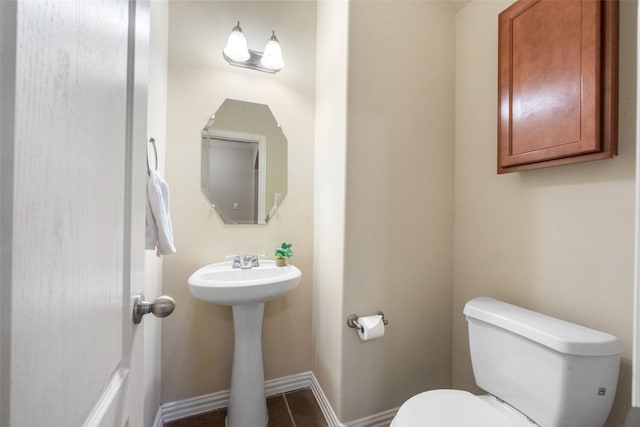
{"points": [[352, 320]]}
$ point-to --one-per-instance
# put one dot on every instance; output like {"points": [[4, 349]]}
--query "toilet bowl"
{"points": [[457, 408], [537, 370]]}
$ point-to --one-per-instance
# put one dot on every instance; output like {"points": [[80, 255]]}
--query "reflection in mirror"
{"points": [[244, 162]]}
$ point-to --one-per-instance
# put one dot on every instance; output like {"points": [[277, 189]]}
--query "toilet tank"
{"points": [[557, 373]]}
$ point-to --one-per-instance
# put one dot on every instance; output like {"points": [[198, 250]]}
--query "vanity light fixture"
{"points": [[236, 48], [236, 53]]}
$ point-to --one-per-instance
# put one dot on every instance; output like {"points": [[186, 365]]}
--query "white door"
{"points": [[72, 128]]}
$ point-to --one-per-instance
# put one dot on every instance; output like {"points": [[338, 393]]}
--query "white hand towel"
{"points": [[159, 232]]}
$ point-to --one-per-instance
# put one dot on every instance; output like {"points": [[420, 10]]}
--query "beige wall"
{"points": [[557, 240], [398, 206], [197, 339], [329, 196]]}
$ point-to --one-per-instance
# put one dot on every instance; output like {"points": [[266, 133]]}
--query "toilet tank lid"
{"points": [[557, 334]]}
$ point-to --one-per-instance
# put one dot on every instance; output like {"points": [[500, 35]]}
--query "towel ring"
{"points": [[155, 153]]}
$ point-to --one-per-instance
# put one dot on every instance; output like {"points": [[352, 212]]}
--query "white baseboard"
{"points": [[382, 419], [158, 420], [324, 404], [172, 411]]}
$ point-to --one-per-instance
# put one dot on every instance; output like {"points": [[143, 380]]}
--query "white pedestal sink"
{"points": [[246, 290]]}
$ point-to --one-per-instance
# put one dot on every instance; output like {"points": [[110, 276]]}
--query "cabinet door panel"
{"points": [[551, 68]]}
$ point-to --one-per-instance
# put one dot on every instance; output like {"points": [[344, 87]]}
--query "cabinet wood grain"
{"points": [[557, 83]]}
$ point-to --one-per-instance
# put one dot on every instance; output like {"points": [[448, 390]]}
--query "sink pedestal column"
{"points": [[247, 402]]}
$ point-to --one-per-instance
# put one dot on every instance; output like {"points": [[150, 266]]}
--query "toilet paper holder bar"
{"points": [[352, 320]]}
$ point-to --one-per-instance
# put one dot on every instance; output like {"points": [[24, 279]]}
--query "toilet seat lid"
{"points": [[454, 408]]}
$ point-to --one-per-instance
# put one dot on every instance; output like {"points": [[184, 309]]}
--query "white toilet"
{"points": [[538, 371]]}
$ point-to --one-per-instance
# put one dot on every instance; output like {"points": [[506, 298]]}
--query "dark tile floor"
{"points": [[293, 409]]}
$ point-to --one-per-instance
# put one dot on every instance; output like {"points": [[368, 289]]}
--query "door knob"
{"points": [[160, 307]]}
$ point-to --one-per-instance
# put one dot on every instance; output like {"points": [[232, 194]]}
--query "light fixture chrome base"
{"points": [[253, 62]]}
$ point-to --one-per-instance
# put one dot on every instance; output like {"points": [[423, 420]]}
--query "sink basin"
{"points": [[246, 292], [220, 284]]}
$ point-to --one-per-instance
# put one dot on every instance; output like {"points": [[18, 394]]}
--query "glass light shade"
{"points": [[272, 56], [236, 48]]}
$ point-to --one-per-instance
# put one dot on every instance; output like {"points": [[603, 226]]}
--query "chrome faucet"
{"points": [[246, 262], [254, 260], [236, 261]]}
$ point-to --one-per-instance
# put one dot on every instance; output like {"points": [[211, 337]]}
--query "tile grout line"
{"points": [[284, 396]]}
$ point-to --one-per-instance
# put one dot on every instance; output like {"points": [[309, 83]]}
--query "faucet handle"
{"points": [[237, 262], [254, 259]]}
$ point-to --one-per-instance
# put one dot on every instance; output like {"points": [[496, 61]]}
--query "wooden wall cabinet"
{"points": [[557, 83]]}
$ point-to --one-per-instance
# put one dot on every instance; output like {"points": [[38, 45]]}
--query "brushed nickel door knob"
{"points": [[159, 307]]}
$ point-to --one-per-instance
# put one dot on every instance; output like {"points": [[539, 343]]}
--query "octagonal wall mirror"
{"points": [[244, 162]]}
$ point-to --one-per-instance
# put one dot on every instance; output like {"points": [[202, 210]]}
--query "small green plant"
{"points": [[284, 251]]}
